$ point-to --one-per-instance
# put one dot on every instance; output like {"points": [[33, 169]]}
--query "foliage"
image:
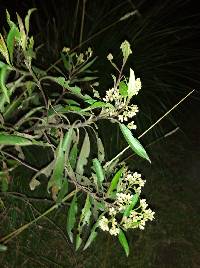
{"points": [[32, 114]]}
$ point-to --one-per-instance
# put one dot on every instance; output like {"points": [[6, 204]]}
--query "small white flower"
{"points": [[103, 224], [112, 211]]}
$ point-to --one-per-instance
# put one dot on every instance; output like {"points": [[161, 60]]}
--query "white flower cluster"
{"points": [[138, 219], [129, 185], [132, 182], [104, 222], [121, 110]]}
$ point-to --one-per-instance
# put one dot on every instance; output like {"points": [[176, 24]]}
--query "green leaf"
{"points": [[123, 241], [66, 62], [3, 74], [85, 79], [73, 155], [56, 178], [123, 89], [63, 191], [67, 141], [71, 218], [133, 142], [131, 84], [84, 219], [72, 102], [12, 35], [3, 248], [114, 182], [4, 182], [126, 50], [6, 139], [131, 206], [99, 172], [27, 19], [97, 104], [83, 156], [92, 236]]}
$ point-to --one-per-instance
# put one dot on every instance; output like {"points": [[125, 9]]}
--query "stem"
{"points": [[146, 131], [10, 236]]}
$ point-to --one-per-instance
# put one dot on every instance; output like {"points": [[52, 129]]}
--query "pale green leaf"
{"points": [[123, 241], [131, 84], [83, 156], [99, 172], [63, 191], [3, 49], [6, 139], [56, 178], [126, 50], [73, 155], [27, 19], [3, 74], [133, 142], [100, 148]]}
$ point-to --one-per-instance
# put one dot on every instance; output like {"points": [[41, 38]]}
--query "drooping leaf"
{"points": [[27, 19], [3, 74], [72, 102], [84, 219], [99, 172], [47, 170], [131, 206], [100, 148], [56, 178], [123, 241], [133, 142], [63, 191], [97, 104], [86, 66], [83, 156], [93, 233], [73, 155], [71, 218], [123, 89], [67, 140], [114, 182], [12, 36]]}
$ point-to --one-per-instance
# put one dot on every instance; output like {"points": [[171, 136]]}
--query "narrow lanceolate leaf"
{"points": [[27, 19], [67, 140], [12, 36], [6, 139], [114, 182], [131, 84], [73, 155], [131, 206], [83, 156], [57, 176], [22, 33], [63, 191], [84, 219], [71, 218], [93, 233], [99, 171], [135, 145], [123, 241], [3, 88]]}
